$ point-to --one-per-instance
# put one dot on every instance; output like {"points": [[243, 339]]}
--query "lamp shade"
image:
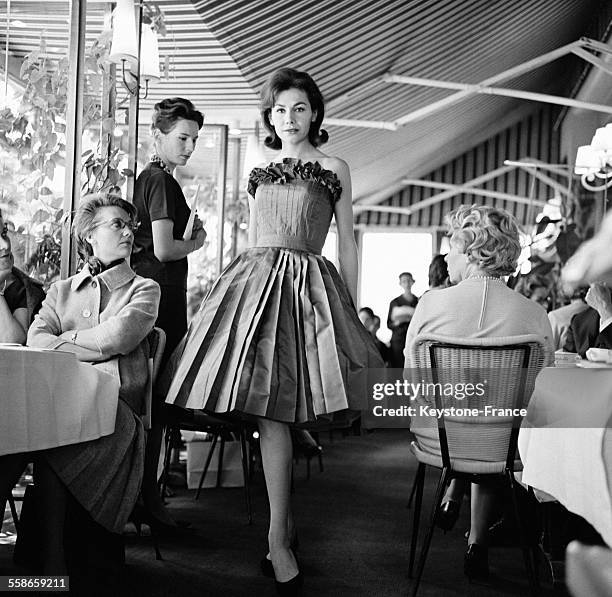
{"points": [[602, 139], [588, 160], [124, 45], [149, 54]]}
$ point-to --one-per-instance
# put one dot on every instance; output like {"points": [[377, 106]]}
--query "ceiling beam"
{"points": [[533, 166], [465, 90], [456, 190], [503, 91], [470, 187], [503, 76]]}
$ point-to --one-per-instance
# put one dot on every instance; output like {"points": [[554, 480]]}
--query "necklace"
{"points": [[495, 278], [155, 159]]}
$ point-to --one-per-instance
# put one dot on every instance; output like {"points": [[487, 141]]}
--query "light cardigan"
{"points": [[478, 308]]}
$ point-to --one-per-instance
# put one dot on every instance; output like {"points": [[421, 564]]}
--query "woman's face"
{"points": [[457, 261], [111, 237], [6, 256], [176, 146], [292, 116]]}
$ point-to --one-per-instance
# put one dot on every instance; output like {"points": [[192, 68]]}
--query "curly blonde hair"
{"points": [[488, 236]]}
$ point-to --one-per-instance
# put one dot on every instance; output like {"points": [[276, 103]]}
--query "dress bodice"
{"points": [[294, 203]]}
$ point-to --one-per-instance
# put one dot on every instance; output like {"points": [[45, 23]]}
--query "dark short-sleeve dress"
{"points": [[158, 196]]}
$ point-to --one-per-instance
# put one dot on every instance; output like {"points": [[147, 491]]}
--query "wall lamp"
{"points": [[141, 63], [594, 161]]}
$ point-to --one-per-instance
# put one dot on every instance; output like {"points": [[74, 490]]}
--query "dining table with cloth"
{"points": [[565, 442], [50, 399]]}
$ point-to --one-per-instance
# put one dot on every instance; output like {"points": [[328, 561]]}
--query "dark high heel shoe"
{"points": [[476, 562], [266, 565], [141, 515], [447, 515], [290, 588]]}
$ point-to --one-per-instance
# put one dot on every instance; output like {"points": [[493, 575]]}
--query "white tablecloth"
{"points": [[48, 399], [565, 443]]}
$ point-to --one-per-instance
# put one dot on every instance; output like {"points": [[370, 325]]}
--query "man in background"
{"points": [[401, 310]]}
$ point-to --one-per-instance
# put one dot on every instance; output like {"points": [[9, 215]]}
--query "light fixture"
{"points": [[149, 54], [124, 46], [125, 51], [594, 161]]}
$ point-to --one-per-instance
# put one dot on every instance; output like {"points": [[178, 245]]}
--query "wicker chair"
{"points": [[471, 447]]}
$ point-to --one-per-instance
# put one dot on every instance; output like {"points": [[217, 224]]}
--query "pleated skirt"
{"points": [[105, 475], [278, 337]]}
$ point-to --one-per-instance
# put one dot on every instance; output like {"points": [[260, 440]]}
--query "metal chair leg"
{"points": [[534, 587], [164, 480], [412, 492], [427, 542], [417, 488], [11, 501], [245, 473], [205, 469], [220, 466]]}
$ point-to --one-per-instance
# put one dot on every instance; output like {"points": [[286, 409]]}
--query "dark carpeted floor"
{"points": [[354, 532]]}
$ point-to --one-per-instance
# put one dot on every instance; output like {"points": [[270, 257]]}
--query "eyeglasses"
{"points": [[117, 224]]}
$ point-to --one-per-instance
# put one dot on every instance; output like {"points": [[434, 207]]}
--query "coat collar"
{"points": [[113, 278]]}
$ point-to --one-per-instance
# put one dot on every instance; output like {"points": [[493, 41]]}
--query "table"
{"points": [[565, 442], [49, 399]]}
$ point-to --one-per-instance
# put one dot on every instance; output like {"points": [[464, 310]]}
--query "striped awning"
{"points": [[348, 45], [221, 51]]}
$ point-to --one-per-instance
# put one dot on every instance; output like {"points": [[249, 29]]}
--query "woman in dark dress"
{"points": [[160, 253]]}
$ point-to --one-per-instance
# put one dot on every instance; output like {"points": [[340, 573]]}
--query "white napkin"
{"points": [[602, 355]]}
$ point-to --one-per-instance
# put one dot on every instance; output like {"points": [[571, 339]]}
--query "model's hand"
{"points": [[599, 298]]}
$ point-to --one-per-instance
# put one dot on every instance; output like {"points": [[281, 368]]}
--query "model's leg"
{"points": [[276, 454], [53, 498]]}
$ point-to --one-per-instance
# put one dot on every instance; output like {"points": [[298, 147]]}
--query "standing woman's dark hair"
{"points": [[161, 246], [167, 112], [288, 78]]}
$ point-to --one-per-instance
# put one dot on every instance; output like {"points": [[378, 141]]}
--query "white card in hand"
{"points": [[189, 228]]}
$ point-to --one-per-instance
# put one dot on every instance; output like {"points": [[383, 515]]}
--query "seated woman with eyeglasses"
{"points": [[14, 315], [103, 314]]}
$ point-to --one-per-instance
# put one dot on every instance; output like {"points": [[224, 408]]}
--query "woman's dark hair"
{"points": [[438, 271], [288, 78], [167, 112], [85, 216]]}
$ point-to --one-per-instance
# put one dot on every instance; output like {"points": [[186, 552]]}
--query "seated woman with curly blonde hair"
{"points": [[484, 247]]}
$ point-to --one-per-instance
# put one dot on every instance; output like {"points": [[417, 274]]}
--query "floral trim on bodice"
{"points": [[291, 169]]}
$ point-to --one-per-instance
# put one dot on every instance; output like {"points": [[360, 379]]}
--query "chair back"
{"points": [[475, 375], [157, 342]]}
